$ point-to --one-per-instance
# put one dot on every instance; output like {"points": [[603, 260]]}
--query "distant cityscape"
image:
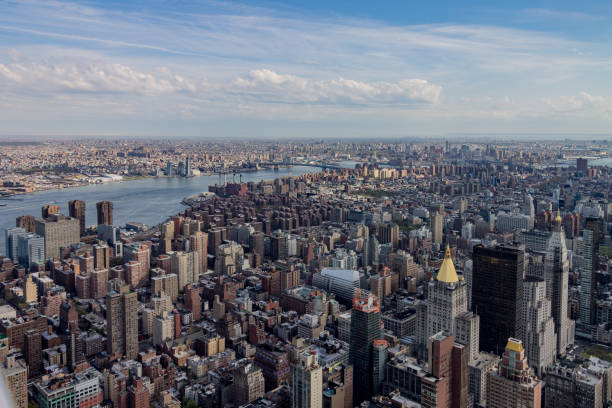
{"points": [[27, 167], [407, 274]]}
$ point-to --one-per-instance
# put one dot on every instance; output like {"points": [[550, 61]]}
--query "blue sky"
{"points": [[305, 69]]}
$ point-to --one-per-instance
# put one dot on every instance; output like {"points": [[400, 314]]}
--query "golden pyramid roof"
{"points": [[558, 218], [447, 271], [514, 345]]}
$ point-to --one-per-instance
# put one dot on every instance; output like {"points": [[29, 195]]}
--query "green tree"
{"points": [[187, 403]]}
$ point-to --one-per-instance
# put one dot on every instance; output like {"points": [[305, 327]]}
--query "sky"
{"points": [[212, 69]]}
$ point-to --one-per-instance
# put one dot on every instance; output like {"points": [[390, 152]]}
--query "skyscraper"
{"points": [[371, 251], [185, 265], [198, 242], [307, 381], [497, 294], [436, 228], [58, 231], [97, 283], [193, 301], [141, 254], [15, 375], [556, 272], [26, 222], [229, 259], [32, 347], [365, 328], [513, 384], [389, 232], [278, 246], [378, 365], [11, 242], [188, 172], [528, 209], [102, 256], [74, 345], [130, 322], [467, 332], [50, 209], [446, 298], [163, 328], [76, 209], [68, 315], [122, 323], [539, 327], [248, 384], [114, 328], [587, 248], [30, 249], [582, 165], [447, 384], [105, 212]]}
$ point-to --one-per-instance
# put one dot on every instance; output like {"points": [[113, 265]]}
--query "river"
{"points": [[607, 161], [149, 201]]}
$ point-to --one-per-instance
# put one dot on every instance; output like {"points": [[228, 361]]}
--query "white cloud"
{"points": [[548, 14], [90, 76], [232, 34], [258, 86], [267, 85], [582, 103]]}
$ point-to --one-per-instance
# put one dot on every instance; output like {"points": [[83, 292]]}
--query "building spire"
{"points": [[447, 272]]}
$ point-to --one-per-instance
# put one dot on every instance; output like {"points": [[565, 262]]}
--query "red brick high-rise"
{"points": [[68, 314], [50, 209], [290, 278], [32, 348], [102, 256], [26, 222], [271, 282], [447, 384], [193, 301], [138, 395], [86, 263], [97, 283], [76, 209], [105, 212], [177, 325], [140, 253]]}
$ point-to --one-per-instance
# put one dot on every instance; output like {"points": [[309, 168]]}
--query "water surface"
{"points": [[149, 201]]}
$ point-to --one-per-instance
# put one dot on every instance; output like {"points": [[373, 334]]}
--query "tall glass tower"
{"points": [[365, 329]]}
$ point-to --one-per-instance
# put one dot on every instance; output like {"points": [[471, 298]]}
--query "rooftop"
{"points": [[344, 274]]}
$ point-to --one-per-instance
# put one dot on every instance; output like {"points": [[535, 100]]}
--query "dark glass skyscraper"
{"points": [[497, 294], [588, 245], [365, 329]]}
